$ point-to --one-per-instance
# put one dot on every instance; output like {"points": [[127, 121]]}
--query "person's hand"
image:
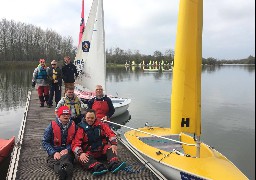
{"points": [[56, 156], [84, 158], [63, 152], [114, 149], [33, 84]]}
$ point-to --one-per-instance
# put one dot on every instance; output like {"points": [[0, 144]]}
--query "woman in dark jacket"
{"points": [[55, 80]]}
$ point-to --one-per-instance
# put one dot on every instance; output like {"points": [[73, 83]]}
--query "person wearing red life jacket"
{"points": [[102, 104], [57, 141], [93, 140]]}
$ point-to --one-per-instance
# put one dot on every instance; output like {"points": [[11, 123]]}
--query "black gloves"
{"points": [[33, 84]]}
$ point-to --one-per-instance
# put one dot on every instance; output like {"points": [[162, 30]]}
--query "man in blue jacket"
{"points": [[57, 141]]}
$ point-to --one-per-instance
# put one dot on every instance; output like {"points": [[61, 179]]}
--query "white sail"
{"points": [[91, 58]]}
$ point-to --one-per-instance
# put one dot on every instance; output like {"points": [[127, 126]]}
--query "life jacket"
{"points": [[42, 74], [101, 108], [94, 135], [75, 103], [54, 74], [57, 134]]}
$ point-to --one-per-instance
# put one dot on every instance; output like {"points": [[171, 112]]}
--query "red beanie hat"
{"points": [[63, 110]]}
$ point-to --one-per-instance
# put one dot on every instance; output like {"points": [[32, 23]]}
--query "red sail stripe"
{"points": [[82, 26]]}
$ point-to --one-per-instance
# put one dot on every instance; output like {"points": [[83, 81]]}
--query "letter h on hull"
{"points": [[185, 122]]}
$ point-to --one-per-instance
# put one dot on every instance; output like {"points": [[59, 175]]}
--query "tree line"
{"points": [[26, 42]]}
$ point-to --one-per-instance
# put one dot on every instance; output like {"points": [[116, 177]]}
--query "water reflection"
{"points": [[120, 74], [15, 82], [209, 68], [14, 85], [120, 120]]}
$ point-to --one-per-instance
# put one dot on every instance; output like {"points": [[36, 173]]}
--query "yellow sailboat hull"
{"points": [[180, 164]]}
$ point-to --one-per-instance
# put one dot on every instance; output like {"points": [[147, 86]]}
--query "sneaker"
{"points": [[41, 105], [49, 105], [117, 167], [100, 170]]}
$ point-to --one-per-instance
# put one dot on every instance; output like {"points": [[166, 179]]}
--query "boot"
{"points": [[113, 164], [62, 173], [116, 166], [99, 169], [66, 171], [46, 98], [41, 98]]}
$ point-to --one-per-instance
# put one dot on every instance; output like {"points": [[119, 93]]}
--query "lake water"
{"points": [[228, 105]]}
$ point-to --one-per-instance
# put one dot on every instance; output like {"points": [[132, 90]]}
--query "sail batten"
{"points": [[186, 91]]}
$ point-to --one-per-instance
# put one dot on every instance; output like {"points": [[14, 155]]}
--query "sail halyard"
{"points": [[186, 84]]}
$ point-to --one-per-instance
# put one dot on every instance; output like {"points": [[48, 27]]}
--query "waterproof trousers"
{"points": [[94, 158], [43, 93]]}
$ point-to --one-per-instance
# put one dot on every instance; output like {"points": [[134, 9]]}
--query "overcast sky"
{"points": [[146, 25]]}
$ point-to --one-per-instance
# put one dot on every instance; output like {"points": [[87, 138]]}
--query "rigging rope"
{"points": [[169, 139]]}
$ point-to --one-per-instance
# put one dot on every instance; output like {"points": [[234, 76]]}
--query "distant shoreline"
{"points": [[13, 64]]}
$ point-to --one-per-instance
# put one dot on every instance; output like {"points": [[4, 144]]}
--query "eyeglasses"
{"points": [[99, 89], [53, 64], [66, 114]]}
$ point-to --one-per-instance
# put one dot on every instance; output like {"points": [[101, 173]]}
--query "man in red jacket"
{"points": [[94, 139]]}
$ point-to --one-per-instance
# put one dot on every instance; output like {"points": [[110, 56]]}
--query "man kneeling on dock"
{"points": [[57, 142], [93, 140]]}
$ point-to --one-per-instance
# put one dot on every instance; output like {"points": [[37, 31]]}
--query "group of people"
{"points": [[88, 143], [75, 136], [49, 80]]}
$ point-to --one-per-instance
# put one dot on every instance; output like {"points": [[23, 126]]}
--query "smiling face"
{"points": [[99, 91], [70, 93], [90, 117]]}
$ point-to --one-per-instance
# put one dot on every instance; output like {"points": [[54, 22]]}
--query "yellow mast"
{"points": [[186, 84]]}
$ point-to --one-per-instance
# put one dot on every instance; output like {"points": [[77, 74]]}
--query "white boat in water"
{"points": [[91, 60], [177, 152]]}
